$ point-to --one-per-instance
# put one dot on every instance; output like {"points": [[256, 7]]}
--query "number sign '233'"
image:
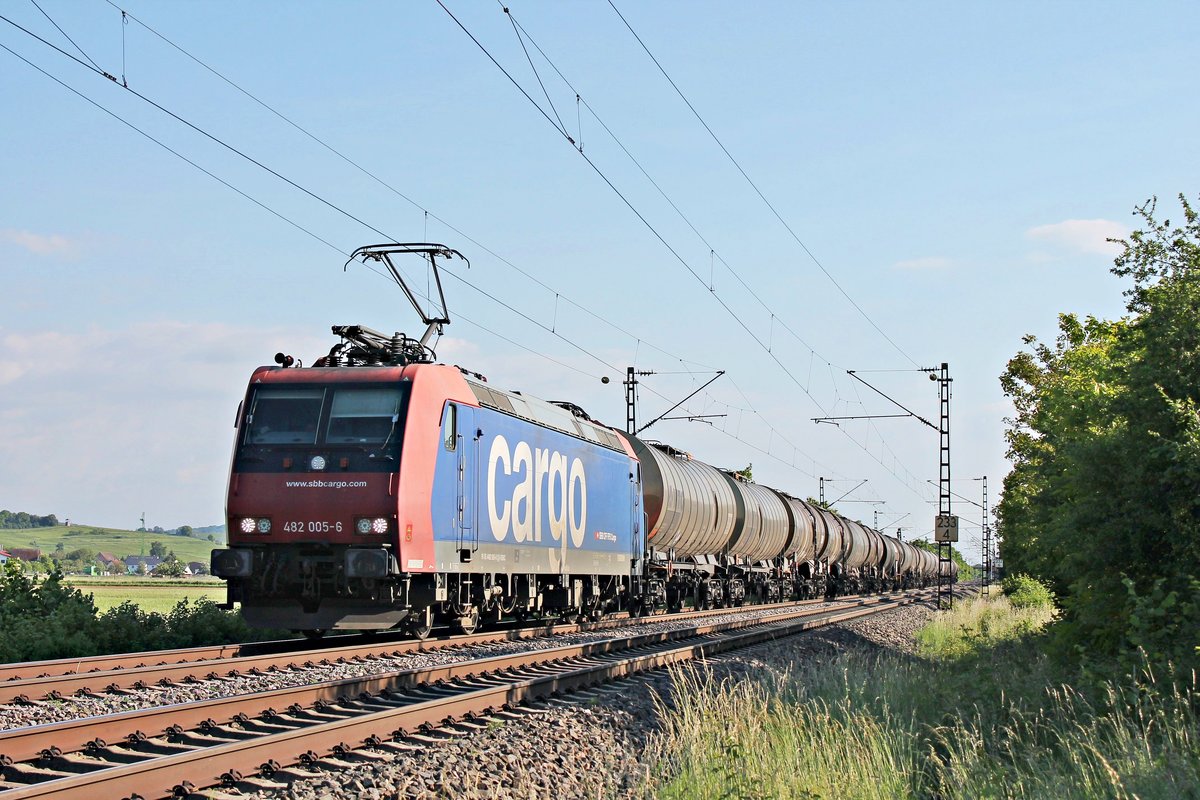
{"points": [[945, 528]]}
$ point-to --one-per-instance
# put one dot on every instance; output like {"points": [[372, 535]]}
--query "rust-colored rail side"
{"points": [[167, 776], [29, 670], [23, 744], [167, 672]]}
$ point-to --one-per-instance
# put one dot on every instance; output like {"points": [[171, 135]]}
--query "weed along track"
{"points": [[177, 749]]}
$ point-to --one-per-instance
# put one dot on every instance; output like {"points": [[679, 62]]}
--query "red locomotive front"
{"points": [[329, 493]]}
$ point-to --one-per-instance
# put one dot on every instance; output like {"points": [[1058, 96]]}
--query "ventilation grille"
{"points": [[546, 415]]}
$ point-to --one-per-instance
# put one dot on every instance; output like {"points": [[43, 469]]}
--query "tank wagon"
{"points": [[378, 489]]}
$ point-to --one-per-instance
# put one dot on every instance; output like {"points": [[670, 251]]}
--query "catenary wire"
{"points": [[306, 231], [64, 33], [176, 153], [911, 487], [670, 201], [758, 191], [257, 163], [310, 233], [650, 227], [296, 185], [380, 181], [281, 177]]}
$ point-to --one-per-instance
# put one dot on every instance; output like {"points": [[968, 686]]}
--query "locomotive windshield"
{"points": [[325, 415], [284, 415], [363, 415]]}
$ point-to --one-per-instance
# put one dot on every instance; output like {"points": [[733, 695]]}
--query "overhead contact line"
{"points": [[654, 231], [758, 191], [353, 217]]}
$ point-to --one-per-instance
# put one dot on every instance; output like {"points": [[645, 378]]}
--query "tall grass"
{"points": [[978, 713], [980, 624]]}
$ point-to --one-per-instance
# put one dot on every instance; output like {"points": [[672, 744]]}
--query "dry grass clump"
{"points": [[979, 714]]}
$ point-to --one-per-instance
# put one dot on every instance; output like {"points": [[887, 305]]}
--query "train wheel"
{"points": [[314, 634], [420, 624], [468, 623]]}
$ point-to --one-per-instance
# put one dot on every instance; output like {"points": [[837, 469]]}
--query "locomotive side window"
{"points": [[282, 415], [450, 428], [363, 416]]}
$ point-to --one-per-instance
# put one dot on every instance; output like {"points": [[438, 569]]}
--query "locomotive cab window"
{"points": [[450, 428], [284, 415], [364, 416]]}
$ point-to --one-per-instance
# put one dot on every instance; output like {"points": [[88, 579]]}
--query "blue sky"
{"points": [[955, 167]]}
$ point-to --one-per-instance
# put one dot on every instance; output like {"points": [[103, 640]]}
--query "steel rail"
{"points": [[165, 672], [180, 774], [46, 741], [21, 744], [26, 670]]}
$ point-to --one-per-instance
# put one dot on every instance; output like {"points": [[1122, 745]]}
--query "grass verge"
{"points": [[149, 597], [977, 712]]}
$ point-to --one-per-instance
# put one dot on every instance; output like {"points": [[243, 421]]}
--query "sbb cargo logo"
{"points": [[545, 488]]}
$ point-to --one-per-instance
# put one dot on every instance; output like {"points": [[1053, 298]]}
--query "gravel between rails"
{"points": [[47, 711], [587, 746]]}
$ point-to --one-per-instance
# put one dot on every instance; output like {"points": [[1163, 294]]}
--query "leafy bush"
{"points": [[1026, 592], [1101, 504], [46, 619]]}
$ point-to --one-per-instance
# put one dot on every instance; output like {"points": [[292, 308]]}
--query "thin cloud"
{"points": [[128, 419], [1083, 236], [921, 264], [40, 244]]}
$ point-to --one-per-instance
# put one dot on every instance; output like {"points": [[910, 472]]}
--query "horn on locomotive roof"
{"points": [[363, 346]]}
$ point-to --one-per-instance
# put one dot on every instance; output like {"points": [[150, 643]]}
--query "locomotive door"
{"points": [[466, 533], [637, 548]]}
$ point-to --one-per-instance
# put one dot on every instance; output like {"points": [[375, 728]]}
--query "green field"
{"points": [[150, 594], [120, 543]]}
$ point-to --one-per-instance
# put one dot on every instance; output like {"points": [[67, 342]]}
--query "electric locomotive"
{"points": [[378, 489]]}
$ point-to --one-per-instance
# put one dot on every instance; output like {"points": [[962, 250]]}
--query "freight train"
{"points": [[378, 489]]}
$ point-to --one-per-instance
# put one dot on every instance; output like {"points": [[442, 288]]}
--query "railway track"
{"points": [[176, 750], [51, 680]]}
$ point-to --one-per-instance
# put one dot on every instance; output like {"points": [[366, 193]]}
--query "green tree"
{"points": [[83, 554], [1063, 396], [184, 530], [158, 549], [1102, 503], [172, 568]]}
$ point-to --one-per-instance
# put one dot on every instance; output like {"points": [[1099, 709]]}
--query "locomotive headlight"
{"points": [[363, 526], [361, 563], [318, 462], [264, 525], [380, 525], [249, 525], [232, 563]]}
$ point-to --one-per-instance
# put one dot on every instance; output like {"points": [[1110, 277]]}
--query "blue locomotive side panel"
{"points": [[532, 498]]}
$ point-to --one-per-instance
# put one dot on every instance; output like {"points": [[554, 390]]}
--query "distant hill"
{"points": [[217, 531], [119, 542]]}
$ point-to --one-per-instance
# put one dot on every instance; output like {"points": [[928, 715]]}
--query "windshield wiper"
{"points": [[387, 441]]}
